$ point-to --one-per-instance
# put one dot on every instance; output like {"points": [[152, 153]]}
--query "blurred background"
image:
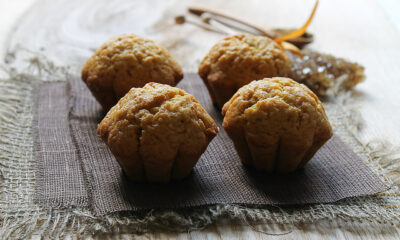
{"points": [[66, 33]]}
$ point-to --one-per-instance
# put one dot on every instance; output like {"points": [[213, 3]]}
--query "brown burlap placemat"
{"points": [[75, 168]]}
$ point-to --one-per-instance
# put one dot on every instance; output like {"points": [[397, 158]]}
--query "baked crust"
{"points": [[128, 61], [157, 133], [237, 60], [276, 124]]}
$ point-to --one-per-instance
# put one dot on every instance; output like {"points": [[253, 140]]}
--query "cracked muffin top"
{"points": [[277, 105], [276, 124], [157, 128], [237, 60], [128, 61]]}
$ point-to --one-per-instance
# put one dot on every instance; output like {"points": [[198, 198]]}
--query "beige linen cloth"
{"points": [[21, 216]]}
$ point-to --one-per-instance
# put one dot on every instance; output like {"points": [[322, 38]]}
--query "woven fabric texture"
{"points": [[22, 217], [75, 168]]}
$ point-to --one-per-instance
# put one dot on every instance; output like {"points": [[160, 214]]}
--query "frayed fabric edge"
{"points": [[29, 219]]}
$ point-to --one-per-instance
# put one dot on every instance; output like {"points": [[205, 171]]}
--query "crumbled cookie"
{"points": [[157, 133], [237, 60], [128, 61], [276, 124]]}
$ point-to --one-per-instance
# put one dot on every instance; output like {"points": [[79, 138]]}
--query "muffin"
{"points": [[237, 60], [157, 133], [128, 61], [276, 124]]}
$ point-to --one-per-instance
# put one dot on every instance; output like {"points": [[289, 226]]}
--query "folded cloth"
{"points": [[75, 168]]}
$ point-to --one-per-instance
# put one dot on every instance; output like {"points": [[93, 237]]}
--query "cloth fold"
{"points": [[75, 168]]}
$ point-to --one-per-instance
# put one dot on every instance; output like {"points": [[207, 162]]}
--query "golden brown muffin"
{"points": [[157, 132], [128, 61], [276, 124], [237, 60]]}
